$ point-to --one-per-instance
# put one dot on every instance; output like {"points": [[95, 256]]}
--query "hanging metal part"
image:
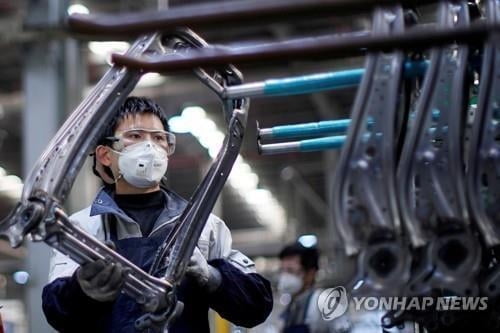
{"points": [[206, 197], [483, 174], [384, 263], [185, 41], [173, 255], [40, 215], [431, 187], [364, 187], [69, 239], [56, 169]]}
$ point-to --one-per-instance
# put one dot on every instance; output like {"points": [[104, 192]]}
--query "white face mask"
{"points": [[143, 164], [289, 283]]}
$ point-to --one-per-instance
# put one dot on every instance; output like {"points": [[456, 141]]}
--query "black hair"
{"points": [[309, 256], [132, 106]]}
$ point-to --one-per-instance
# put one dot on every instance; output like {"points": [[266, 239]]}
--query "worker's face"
{"points": [[293, 277], [291, 264], [147, 121]]}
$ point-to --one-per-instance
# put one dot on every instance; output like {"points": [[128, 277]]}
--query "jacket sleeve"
{"points": [[243, 297], [65, 305], [61, 265], [68, 309]]}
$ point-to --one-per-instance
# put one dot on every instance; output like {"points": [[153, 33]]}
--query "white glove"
{"points": [[205, 275]]}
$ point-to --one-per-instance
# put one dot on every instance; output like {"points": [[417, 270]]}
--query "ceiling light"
{"points": [[78, 9], [193, 112], [10, 185], [358, 284], [308, 240], [151, 80], [21, 277], [178, 124], [101, 51]]}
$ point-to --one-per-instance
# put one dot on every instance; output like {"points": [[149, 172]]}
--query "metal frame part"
{"points": [[431, 172], [39, 213], [364, 188]]}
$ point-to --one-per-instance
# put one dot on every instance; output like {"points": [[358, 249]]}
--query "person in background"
{"points": [[298, 268]]}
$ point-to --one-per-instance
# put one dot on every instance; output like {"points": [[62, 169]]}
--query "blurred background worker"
{"points": [[298, 268]]}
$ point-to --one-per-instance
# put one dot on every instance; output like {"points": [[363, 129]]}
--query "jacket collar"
{"points": [[105, 204], [175, 205]]}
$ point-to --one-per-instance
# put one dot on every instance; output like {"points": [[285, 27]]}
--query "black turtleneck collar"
{"points": [[144, 200]]}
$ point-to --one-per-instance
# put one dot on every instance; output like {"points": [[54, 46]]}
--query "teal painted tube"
{"points": [[307, 129], [329, 81], [313, 83], [331, 142], [329, 127], [415, 68], [304, 146], [310, 145]]}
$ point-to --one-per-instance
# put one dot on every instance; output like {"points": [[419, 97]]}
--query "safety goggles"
{"points": [[163, 139]]}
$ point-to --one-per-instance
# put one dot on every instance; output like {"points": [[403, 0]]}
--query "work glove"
{"points": [[100, 280], [205, 275]]}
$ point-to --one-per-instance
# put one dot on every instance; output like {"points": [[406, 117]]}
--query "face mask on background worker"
{"points": [[289, 283]]}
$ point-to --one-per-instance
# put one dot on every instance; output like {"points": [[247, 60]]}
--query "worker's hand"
{"points": [[206, 276], [100, 280]]}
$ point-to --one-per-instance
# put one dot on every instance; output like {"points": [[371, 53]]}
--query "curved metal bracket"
{"points": [[364, 193], [431, 173], [183, 40], [39, 213], [483, 174], [364, 175]]}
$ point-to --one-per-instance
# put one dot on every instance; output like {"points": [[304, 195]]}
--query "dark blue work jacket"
{"points": [[244, 297]]}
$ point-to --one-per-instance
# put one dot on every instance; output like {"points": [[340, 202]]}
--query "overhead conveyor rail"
{"points": [[230, 12], [331, 46]]}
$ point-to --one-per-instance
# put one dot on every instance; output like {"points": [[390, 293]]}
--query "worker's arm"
{"points": [[66, 307], [243, 297]]}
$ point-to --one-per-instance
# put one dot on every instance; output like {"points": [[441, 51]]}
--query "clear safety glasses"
{"points": [[163, 139]]}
